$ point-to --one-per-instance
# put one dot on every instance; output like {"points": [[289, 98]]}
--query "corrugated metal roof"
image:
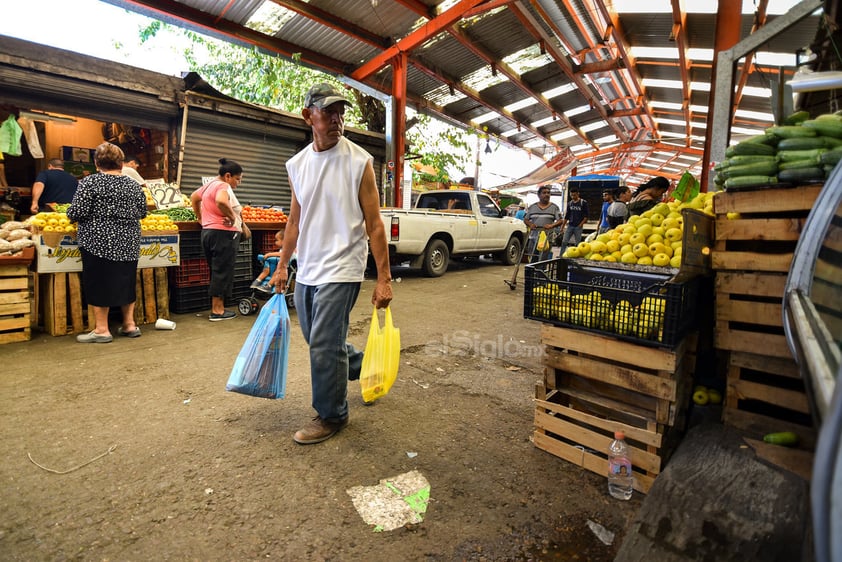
{"points": [[498, 54]]}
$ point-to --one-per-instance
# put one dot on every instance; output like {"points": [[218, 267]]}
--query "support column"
{"points": [[399, 63]]}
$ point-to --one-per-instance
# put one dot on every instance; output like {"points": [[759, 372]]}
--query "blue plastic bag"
{"points": [[261, 366]]}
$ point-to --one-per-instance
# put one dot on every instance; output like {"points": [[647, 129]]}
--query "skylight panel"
{"points": [[486, 117], [577, 110], [558, 91], [566, 134], [528, 59], [593, 126], [518, 105], [542, 122], [269, 18]]}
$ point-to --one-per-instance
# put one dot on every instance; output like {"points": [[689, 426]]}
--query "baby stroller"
{"points": [[262, 292]]}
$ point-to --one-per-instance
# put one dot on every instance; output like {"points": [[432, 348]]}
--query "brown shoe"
{"points": [[318, 430]]}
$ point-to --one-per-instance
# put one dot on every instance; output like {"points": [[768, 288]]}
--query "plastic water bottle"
{"points": [[619, 468]]}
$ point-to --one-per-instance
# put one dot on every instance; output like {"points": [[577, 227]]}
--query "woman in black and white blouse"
{"points": [[107, 207]]}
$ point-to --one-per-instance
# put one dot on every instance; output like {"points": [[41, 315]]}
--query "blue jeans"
{"points": [[572, 236], [323, 313]]}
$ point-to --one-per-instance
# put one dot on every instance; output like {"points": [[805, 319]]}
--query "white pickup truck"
{"points": [[452, 223]]}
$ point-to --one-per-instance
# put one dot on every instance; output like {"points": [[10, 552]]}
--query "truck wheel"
{"points": [[436, 257], [511, 254]]}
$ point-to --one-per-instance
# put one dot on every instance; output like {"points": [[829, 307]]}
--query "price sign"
{"points": [[166, 195]]}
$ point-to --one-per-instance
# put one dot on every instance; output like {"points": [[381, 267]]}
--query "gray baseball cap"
{"points": [[322, 95]]}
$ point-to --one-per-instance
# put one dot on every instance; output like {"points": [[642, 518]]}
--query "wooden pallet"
{"points": [[153, 295], [594, 385], [60, 304], [15, 304]]}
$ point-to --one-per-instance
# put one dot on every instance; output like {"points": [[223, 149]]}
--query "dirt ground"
{"points": [[198, 473]]}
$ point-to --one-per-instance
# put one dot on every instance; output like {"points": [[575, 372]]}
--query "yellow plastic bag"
{"points": [[543, 242], [381, 358]]}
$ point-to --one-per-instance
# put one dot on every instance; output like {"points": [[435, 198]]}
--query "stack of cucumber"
{"points": [[801, 150]]}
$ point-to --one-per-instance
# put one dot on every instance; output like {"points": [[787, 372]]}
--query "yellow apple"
{"points": [[640, 250], [661, 260]]}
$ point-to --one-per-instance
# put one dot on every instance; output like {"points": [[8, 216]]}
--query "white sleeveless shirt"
{"points": [[332, 240]]}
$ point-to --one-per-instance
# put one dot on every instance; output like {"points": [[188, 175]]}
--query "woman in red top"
{"points": [[221, 232]]}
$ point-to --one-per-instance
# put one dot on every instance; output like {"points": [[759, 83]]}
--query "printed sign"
{"points": [[59, 252], [165, 195]]}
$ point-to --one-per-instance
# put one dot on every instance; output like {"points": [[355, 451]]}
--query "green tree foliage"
{"points": [[443, 147], [247, 74]]}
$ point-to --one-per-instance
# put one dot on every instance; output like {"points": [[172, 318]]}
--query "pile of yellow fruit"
{"points": [[154, 221], [58, 222], [592, 310], [652, 238], [53, 222]]}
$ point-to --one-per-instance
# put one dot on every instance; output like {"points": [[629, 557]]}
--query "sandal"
{"points": [[130, 333]]}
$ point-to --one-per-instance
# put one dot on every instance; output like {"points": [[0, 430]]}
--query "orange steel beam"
{"points": [[748, 66], [616, 31], [192, 18], [415, 39], [679, 19], [728, 22], [531, 25], [399, 125], [338, 24]]}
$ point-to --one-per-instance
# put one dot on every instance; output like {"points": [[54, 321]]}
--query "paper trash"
{"points": [[394, 502]]}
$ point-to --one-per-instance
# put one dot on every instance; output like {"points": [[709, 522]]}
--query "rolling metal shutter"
{"points": [[261, 149]]}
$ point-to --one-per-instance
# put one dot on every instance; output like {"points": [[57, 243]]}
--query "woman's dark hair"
{"points": [[658, 182], [227, 166]]}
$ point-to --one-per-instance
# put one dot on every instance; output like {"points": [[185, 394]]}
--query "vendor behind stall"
{"points": [[53, 185]]}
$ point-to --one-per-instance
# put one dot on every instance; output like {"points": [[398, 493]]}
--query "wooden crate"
{"points": [[594, 385], [60, 304], [765, 394], [15, 304], [749, 312], [153, 295], [765, 235]]}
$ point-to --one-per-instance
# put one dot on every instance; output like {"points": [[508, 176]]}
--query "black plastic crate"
{"points": [[635, 306], [189, 299], [190, 244]]}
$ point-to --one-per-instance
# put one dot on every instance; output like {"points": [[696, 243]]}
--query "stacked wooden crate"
{"points": [[63, 311], [596, 384], [756, 233], [15, 302], [60, 303]]}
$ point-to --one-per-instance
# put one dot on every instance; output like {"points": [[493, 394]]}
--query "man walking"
{"points": [[335, 206], [574, 219]]}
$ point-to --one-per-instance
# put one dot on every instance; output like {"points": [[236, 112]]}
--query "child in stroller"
{"points": [[260, 286]]}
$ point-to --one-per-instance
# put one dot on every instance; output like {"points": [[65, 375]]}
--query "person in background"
{"points": [[618, 212], [574, 219], [130, 166], [261, 283], [648, 195], [221, 233], [521, 211], [607, 201], [542, 216], [335, 208], [53, 185], [107, 207]]}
